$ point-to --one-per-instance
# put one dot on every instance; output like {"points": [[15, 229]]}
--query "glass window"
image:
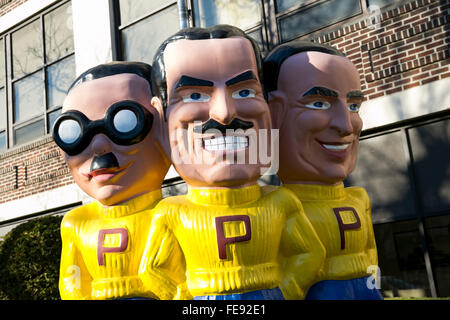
{"points": [[317, 17], [141, 40], [240, 13], [382, 170], [131, 10], [3, 120], [29, 132], [437, 231], [283, 5], [58, 33], [258, 37], [2, 63], [27, 49], [39, 80], [430, 146], [29, 97], [59, 77], [2, 141], [401, 260], [52, 117]]}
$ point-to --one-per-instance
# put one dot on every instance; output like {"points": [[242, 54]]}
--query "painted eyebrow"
{"points": [[320, 91], [186, 81], [247, 75], [355, 95]]}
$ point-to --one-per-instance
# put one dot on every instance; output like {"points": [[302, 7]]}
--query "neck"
{"points": [[224, 196]]}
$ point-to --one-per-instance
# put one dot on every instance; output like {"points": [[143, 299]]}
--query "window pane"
{"points": [[59, 77], [58, 32], [51, 119], [27, 49], [383, 171], [29, 133], [437, 230], [29, 97], [430, 146], [317, 17], [2, 64], [258, 38], [3, 120], [283, 5], [2, 141], [130, 10], [240, 13], [401, 260], [141, 40]]}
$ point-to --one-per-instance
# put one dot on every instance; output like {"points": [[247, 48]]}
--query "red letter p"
{"points": [[222, 241]]}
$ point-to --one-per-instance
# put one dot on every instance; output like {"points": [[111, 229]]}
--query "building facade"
{"points": [[401, 49]]}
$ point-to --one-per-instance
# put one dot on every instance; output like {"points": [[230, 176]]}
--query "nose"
{"points": [[222, 107], [100, 145], [341, 119]]}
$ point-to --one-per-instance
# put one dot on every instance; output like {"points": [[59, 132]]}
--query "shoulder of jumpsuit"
{"points": [[358, 194], [283, 197], [78, 215], [170, 205]]}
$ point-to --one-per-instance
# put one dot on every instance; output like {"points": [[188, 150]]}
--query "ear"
{"points": [[161, 126], [278, 108]]}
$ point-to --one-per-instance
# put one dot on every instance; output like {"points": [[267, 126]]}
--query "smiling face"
{"points": [[319, 130], [213, 89], [109, 172]]}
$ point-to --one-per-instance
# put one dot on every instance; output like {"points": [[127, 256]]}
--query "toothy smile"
{"points": [[336, 147], [225, 143]]}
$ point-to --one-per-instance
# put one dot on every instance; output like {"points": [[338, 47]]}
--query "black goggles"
{"points": [[125, 123]]}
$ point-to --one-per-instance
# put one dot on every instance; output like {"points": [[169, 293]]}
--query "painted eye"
{"points": [[319, 105], [196, 97], [69, 131], [243, 94], [354, 107], [125, 121]]}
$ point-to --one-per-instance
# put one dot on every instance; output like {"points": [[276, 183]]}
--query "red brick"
{"points": [[430, 80]]}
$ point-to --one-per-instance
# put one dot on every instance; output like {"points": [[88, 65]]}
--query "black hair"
{"points": [[273, 61], [141, 69], [222, 31]]}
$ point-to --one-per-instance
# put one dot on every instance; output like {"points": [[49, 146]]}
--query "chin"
{"points": [[111, 195]]}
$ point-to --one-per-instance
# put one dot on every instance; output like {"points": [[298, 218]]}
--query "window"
{"points": [[311, 18], [40, 56], [382, 169], [430, 146], [401, 260], [437, 230], [144, 25], [245, 14]]}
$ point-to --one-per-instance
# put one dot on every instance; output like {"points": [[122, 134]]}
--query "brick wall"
{"points": [[8, 5], [409, 48], [32, 169]]}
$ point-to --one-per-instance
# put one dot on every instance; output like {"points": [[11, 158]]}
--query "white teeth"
{"points": [[225, 143], [337, 147]]}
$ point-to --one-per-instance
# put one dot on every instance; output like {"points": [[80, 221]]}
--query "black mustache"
{"points": [[105, 161], [233, 125]]}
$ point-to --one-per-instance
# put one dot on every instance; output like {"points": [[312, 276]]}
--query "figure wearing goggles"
{"points": [[113, 149]]}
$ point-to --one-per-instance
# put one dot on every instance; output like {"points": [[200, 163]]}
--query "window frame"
{"points": [[11, 126]]}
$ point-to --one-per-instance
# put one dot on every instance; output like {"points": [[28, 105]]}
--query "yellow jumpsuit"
{"points": [[342, 219], [102, 248], [226, 241]]}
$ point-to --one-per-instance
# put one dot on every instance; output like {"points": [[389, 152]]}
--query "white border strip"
{"points": [[411, 103]]}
